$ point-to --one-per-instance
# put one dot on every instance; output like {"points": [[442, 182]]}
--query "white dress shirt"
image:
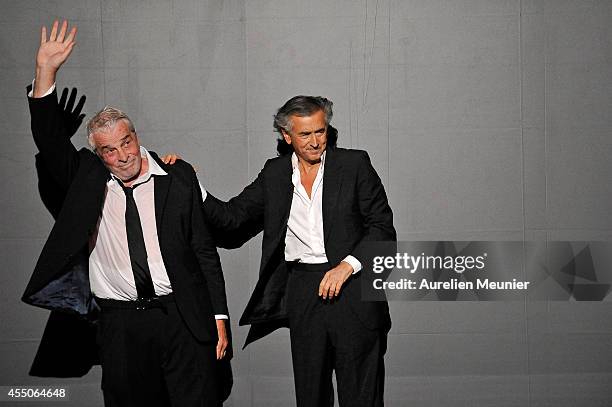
{"points": [[304, 241], [110, 268]]}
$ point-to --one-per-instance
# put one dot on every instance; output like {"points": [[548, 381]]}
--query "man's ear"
{"points": [[286, 136]]}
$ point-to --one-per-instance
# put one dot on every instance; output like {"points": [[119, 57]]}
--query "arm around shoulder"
{"points": [[240, 218]]}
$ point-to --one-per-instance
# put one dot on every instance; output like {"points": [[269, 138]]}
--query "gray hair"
{"points": [[106, 119], [301, 106]]}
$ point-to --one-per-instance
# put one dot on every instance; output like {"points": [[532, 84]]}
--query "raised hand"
{"points": [[52, 53]]}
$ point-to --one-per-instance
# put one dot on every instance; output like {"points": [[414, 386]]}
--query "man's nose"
{"points": [[122, 155], [314, 142]]}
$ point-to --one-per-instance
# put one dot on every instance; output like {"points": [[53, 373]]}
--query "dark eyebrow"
{"points": [[304, 133]]}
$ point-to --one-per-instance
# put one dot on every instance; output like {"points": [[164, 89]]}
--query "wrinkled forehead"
{"points": [[113, 135], [311, 123]]}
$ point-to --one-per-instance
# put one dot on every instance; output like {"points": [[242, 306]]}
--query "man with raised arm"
{"points": [[318, 206], [129, 245]]}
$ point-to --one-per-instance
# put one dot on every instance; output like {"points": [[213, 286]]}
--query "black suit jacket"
{"points": [[60, 281], [355, 212]]}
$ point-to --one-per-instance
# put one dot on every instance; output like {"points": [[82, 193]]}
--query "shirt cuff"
{"points": [[204, 193], [47, 93], [354, 263], [221, 316]]}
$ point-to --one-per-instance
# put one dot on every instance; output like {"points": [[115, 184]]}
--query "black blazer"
{"points": [[355, 211], [60, 281]]}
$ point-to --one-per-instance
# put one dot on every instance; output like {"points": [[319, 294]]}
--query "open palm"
{"points": [[54, 51]]}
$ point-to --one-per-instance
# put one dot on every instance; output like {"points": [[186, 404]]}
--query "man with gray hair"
{"points": [[318, 206], [129, 249]]}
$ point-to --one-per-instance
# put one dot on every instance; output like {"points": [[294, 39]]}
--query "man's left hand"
{"points": [[332, 280], [170, 158], [223, 342]]}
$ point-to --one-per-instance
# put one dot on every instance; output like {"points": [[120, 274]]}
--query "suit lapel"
{"points": [[161, 188], [332, 181], [92, 201], [285, 192]]}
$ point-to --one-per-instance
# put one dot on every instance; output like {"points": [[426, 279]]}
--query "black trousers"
{"points": [[150, 358], [326, 335]]}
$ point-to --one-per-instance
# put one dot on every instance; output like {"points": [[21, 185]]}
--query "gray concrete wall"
{"points": [[486, 119]]}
